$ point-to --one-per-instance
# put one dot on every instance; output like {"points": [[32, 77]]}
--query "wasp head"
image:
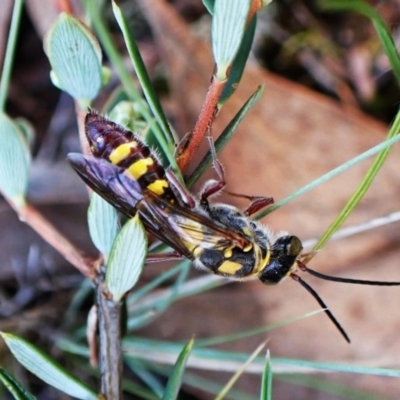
{"points": [[284, 253]]}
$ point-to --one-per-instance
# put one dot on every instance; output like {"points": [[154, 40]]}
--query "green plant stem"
{"points": [[143, 76], [10, 50], [125, 77]]}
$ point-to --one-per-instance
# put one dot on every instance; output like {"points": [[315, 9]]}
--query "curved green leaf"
{"points": [[209, 4], [237, 68], [27, 130], [103, 224], [228, 27], [14, 161], [127, 258], [75, 58], [45, 368]]}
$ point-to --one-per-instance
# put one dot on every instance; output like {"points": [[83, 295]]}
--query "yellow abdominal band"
{"points": [[122, 151]]}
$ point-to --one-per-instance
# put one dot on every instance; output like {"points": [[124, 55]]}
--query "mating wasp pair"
{"points": [[216, 237]]}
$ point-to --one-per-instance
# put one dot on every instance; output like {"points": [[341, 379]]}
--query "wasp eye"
{"points": [[295, 246], [288, 245], [284, 253]]}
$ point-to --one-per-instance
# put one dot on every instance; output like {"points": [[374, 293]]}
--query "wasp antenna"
{"points": [[303, 267], [322, 304]]}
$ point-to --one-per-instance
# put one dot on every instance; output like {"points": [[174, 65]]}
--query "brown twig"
{"points": [[51, 235], [110, 354]]}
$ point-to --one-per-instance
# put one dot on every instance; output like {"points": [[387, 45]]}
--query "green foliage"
{"points": [[144, 79], [46, 369], [127, 258], [14, 387], [175, 379], [266, 380], [14, 161], [103, 224], [228, 28], [75, 58]]}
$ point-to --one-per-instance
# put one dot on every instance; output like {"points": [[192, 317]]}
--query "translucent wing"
{"points": [[179, 227]]}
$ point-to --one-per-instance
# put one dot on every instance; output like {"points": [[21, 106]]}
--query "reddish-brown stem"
{"points": [[80, 118], [255, 6], [51, 235], [203, 123], [65, 5]]}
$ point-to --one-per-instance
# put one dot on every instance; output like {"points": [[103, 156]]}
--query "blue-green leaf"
{"points": [[14, 161], [75, 58], [103, 224], [127, 258], [45, 368], [228, 27], [27, 130], [238, 64], [209, 4]]}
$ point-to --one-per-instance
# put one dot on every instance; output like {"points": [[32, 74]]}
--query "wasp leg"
{"points": [[257, 203], [183, 194], [213, 186], [160, 257]]}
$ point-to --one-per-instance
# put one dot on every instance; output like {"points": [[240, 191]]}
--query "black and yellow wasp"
{"points": [[216, 237]]}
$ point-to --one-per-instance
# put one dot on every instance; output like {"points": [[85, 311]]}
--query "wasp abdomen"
{"points": [[122, 147], [238, 265]]}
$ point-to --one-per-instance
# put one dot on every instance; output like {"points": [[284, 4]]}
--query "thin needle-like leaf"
{"points": [[240, 372], [336, 171], [175, 379], [266, 380]]}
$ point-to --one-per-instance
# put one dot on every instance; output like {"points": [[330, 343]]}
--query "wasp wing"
{"points": [[179, 227], [108, 181], [123, 192]]}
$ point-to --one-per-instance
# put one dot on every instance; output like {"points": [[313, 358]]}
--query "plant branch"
{"points": [[51, 235], [110, 358], [204, 120]]}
